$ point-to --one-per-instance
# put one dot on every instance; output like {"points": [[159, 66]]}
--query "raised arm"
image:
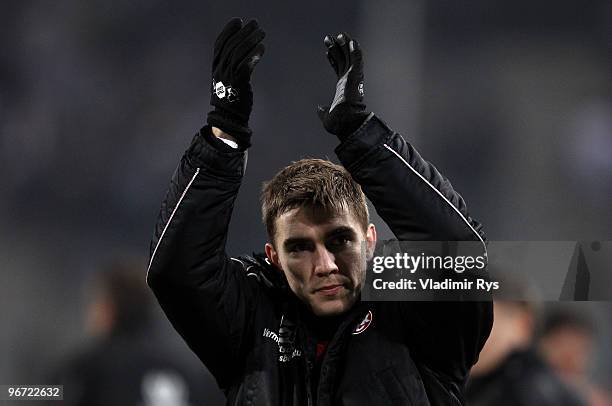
{"points": [[418, 204], [206, 295], [409, 193]]}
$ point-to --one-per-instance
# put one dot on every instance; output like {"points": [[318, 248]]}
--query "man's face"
{"points": [[323, 257]]}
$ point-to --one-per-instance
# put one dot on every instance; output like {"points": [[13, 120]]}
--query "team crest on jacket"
{"points": [[365, 323]]}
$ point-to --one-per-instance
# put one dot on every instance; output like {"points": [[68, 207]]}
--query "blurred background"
{"points": [[512, 100]]}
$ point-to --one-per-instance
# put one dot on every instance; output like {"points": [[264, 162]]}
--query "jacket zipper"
{"points": [[308, 384]]}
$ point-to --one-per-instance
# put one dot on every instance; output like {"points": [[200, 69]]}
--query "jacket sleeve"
{"points": [[419, 204], [206, 296]]}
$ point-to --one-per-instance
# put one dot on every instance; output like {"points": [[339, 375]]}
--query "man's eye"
{"points": [[340, 241], [298, 247]]}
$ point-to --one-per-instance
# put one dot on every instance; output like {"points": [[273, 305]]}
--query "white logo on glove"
{"points": [[220, 90], [227, 92], [232, 95]]}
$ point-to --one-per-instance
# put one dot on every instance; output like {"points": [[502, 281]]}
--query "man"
{"points": [[510, 371], [287, 327], [126, 361], [568, 343]]}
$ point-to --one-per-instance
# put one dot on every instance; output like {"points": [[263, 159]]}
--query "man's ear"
{"points": [[273, 255], [370, 241]]}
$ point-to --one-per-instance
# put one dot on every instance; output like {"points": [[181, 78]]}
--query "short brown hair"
{"points": [[312, 183]]}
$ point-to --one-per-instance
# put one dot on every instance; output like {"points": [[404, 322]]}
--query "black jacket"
{"points": [[244, 324]]}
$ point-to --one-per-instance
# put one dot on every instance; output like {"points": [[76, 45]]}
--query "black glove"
{"points": [[347, 111], [237, 50]]}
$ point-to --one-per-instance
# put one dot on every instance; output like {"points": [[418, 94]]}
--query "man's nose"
{"points": [[324, 262]]}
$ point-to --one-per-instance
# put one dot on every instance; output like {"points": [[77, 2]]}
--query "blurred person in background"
{"points": [[509, 370], [128, 362], [567, 342]]}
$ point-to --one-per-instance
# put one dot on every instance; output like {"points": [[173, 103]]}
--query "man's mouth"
{"points": [[330, 290]]}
